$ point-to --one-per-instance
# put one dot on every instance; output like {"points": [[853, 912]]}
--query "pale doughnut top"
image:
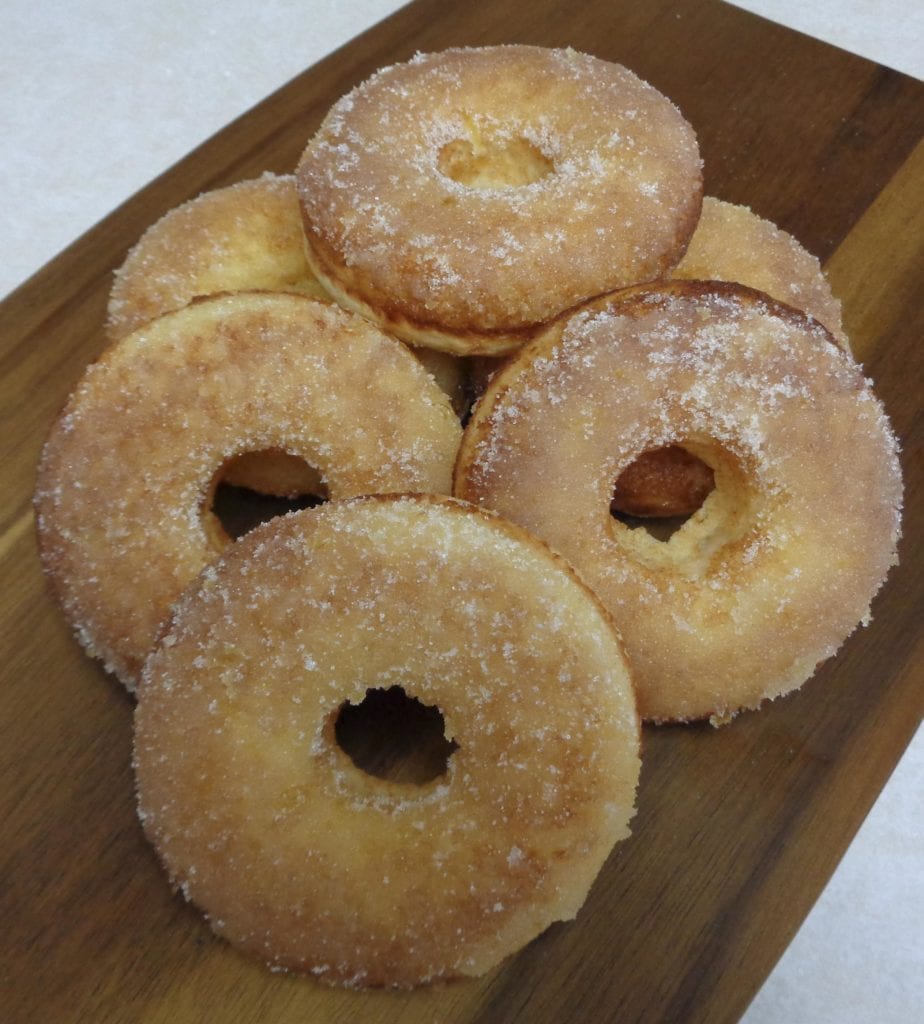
{"points": [[299, 856], [244, 237], [127, 471], [780, 563], [395, 231], [732, 243]]}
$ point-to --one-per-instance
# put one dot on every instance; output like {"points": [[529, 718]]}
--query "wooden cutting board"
{"points": [[739, 828]]}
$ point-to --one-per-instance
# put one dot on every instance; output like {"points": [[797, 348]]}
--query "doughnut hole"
{"points": [[486, 162], [728, 504], [392, 736], [661, 489], [253, 488]]}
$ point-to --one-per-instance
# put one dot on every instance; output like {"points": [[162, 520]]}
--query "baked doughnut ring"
{"points": [[780, 564], [246, 237], [433, 193], [241, 777], [125, 482]]}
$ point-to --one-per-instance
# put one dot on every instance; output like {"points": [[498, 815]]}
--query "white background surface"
{"points": [[97, 97]]}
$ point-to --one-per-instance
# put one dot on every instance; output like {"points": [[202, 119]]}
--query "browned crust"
{"points": [[632, 302]]}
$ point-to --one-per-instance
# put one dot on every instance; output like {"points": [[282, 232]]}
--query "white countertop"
{"points": [[97, 97]]}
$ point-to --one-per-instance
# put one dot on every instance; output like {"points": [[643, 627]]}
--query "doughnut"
{"points": [[303, 859], [125, 482], [246, 237], [433, 193], [731, 243], [780, 563]]}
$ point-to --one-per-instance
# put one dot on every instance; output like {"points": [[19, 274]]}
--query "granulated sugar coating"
{"points": [[731, 243], [126, 478], [465, 197], [302, 859], [245, 237], [781, 562]]}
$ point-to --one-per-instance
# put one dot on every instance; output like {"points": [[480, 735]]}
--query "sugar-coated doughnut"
{"points": [[732, 243], [465, 197], [246, 237], [304, 860], [124, 488], [780, 564]]}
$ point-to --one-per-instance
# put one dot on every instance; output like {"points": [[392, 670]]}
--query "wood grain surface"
{"points": [[738, 829]]}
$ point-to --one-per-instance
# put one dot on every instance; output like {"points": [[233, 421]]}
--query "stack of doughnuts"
{"points": [[493, 328]]}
